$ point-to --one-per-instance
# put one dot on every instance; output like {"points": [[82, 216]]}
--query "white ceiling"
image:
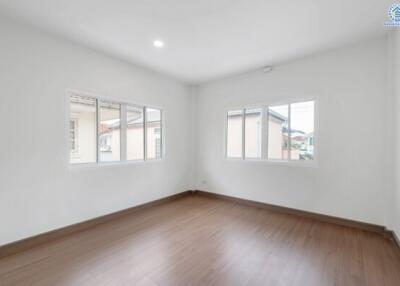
{"points": [[206, 39]]}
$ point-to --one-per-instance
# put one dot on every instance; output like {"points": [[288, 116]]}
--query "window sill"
{"points": [[309, 164], [113, 164]]}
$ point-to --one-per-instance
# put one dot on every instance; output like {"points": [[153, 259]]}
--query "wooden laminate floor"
{"points": [[201, 241]]}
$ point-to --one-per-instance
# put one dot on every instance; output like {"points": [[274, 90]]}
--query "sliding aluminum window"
{"points": [[234, 134], [278, 138], [301, 128], [289, 133], [244, 133], [105, 131], [109, 131], [135, 133], [253, 132], [153, 134], [83, 129]]}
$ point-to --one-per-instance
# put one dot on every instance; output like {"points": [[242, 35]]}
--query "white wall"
{"points": [[38, 191], [395, 81], [351, 88]]}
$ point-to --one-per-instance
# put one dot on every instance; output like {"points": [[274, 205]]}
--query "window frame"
{"points": [[279, 161], [143, 108], [244, 133], [265, 132], [161, 134], [226, 133], [123, 129]]}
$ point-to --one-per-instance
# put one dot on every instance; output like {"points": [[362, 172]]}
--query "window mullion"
{"points": [[264, 133], [161, 135], [243, 134], [144, 133], [226, 133], [97, 131], [289, 134], [123, 132]]}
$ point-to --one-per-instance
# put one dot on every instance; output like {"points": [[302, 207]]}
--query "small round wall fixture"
{"points": [[267, 69]]}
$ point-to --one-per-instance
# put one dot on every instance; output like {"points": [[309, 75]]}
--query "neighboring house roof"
{"points": [[293, 131], [280, 118], [277, 115], [138, 119]]}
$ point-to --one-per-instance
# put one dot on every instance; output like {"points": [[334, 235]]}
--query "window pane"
{"points": [[277, 132], [153, 133], [253, 133], [82, 129], [134, 133], [109, 131], [234, 134], [302, 131]]}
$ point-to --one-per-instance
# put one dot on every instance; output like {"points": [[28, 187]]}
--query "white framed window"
{"points": [[109, 131], [234, 134], [302, 127], [135, 139], [288, 136], [153, 133], [278, 126], [244, 133], [82, 129], [253, 132], [106, 131]]}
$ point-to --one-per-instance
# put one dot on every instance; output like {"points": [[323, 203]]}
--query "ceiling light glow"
{"points": [[158, 43]]}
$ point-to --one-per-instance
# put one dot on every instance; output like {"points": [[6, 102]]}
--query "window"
{"points": [[244, 133], [109, 131], [82, 130], [278, 146], [153, 133], [158, 143], [252, 138], [289, 132], [134, 133], [105, 131], [302, 131], [235, 134]]}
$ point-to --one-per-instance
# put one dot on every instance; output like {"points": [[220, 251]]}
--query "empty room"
{"points": [[195, 143]]}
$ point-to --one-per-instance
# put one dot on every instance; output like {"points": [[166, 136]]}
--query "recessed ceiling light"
{"points": [[158, 43]]}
